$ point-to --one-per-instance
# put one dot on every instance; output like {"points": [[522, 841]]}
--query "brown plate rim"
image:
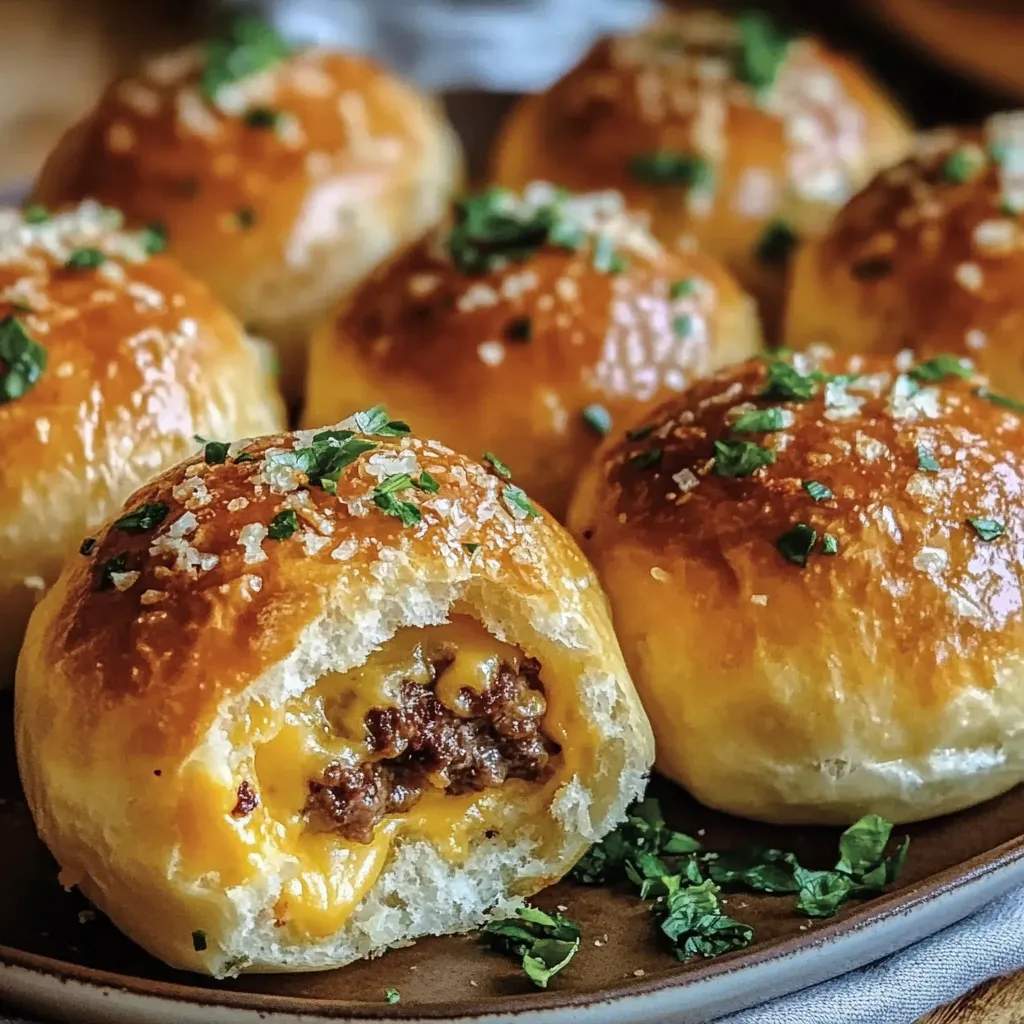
{"points": [[924, 891]]}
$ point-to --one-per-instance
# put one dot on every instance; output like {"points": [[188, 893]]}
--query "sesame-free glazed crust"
{"points": [[140, 358], [278, 219], [527, 358], [928, 256], [791, 152], [884, 674]]}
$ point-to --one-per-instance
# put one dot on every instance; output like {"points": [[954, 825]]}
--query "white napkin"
{"points": [[501, 45], [903, 987]]}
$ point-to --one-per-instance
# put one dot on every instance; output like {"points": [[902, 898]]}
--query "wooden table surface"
{"points": [[996, 1002]]}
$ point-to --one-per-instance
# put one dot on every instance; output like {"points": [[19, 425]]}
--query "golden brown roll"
{"points": [[723, 127], [336, 692], [530, 326], [815, 570], [111, 360], [280, 178], [928, 256]]}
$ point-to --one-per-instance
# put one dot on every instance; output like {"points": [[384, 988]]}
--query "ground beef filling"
{"points": [[422, 744]]}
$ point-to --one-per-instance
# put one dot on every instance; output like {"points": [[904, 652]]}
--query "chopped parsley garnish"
{"points": [[85, 259], [598, 419], [119, 563], [330, 452], [926, 461], [249, 45], [392, 995], [426, 482], [215, 453], [988, 529], [545, 943], [471, 547], [796, 544], [498, 466], [763, 50], [786, 383], [682, 289], [683, 325], [245, 217], [36, 213], [606, 258], [199, 941], [639, 433], [22, 360], [684, 880], [776, 243], [88, 546], [741, 458], [385, 496], [144, 518], [941, 368], [283, 525], [519, 329], [829, 544], [817, 490], [245, 457], [516, 497], [668, 167], [964, 164], [492, 229], [265, 118], [375, 421], [1004, 401], [760, 421], [154, 238], [647, 459]]}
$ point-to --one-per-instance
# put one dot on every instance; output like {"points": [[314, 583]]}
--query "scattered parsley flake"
{"points": [[88, 546], [144, 518], [392, 995], [668, 167], [426, 482], [283, 525], [519, 329], [760, 421], [119, 563], [498, 466], [36, 213], [777, 243], [598, 419], [154, 238], [1003, 401], [741, 458], [682, 289], [763, 50], [264, 118], [647, 459], [987, 529], [22, 360], [375, 421], [639, 433], [215, 453], [683, 325], [517, 496], [940, 368], [471, 547], [796, 544], [245, 217], [86, 258], [385, 496], [829, 544], [786, 383], [248, 46], [964, 164], [926, 461], [545, 943], [817, 490], [245, 457], [606, 259]]}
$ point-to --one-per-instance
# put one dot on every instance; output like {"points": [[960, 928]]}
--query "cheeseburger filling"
{"points": [[422, 743]]}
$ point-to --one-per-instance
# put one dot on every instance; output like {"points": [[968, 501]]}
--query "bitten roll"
{"points": [[322, 695], [815, 570]]}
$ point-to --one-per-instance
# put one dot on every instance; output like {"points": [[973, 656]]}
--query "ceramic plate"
{"points": [[60, 959]]}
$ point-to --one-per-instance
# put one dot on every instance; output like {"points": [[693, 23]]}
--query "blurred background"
{"points": [[947, 60]]}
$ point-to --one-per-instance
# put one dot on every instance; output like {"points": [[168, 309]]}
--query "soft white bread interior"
{"points": [[816, 575], [183, 689], [111, 359]]}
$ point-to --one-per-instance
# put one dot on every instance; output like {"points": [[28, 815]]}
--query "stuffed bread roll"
{"points": [[320, 696]]}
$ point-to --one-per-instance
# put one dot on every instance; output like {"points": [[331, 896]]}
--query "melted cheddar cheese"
{"points": [[328, 875]]}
